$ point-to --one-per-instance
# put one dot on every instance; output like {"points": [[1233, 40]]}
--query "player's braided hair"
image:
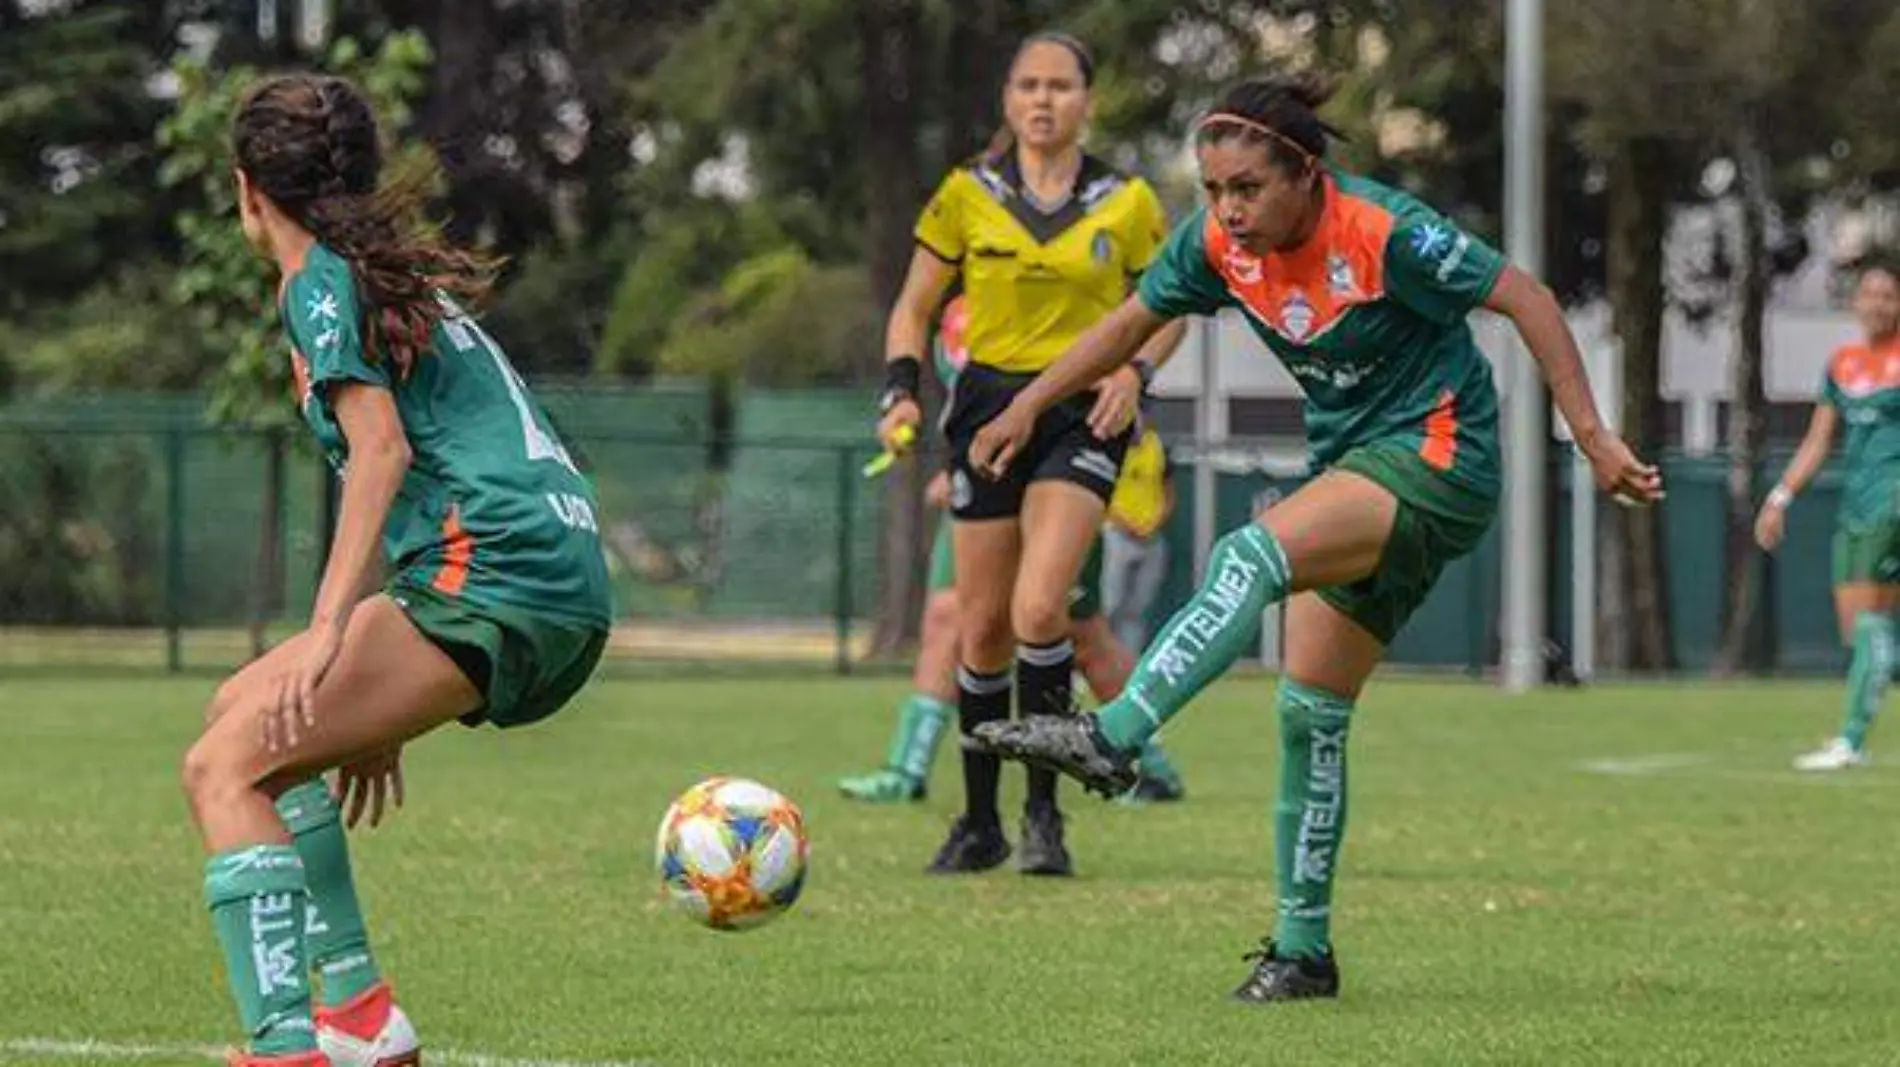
{"points": [[310, 143], [1279, 112]]}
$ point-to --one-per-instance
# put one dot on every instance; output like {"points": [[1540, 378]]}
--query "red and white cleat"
{"points": [[369, 1031]]}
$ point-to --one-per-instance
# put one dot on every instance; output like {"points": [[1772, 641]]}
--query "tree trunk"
{"points": [[1742, 605], [1638, 220], [267, 570], [889, 34]]}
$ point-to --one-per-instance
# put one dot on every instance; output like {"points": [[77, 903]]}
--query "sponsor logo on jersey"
{"points": [[1339, 276]]}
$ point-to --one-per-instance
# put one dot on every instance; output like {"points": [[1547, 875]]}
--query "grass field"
{"points": [[1508, 897]]}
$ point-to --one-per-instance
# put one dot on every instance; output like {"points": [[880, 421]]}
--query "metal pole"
{"points": [[1526, 446], [843, 594], [1210, 424]]}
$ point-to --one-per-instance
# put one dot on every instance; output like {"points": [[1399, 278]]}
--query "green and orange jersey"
{"points": [[1369, 315], [1863, 385], [491, 509]]}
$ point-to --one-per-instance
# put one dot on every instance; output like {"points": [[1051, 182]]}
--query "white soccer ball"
{"points": [[731, 853]]}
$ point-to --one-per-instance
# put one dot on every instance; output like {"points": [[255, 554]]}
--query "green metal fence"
{"points": [[134, 535]]}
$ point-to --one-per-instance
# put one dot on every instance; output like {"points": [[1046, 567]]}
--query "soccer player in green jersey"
{"points": [[496, 608], [1862, 390], [1362, 292]]}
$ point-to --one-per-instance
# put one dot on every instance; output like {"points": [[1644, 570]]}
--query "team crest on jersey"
{"points": [[1339, 276], [1243, 265], [1102, 247], [1296, 316]]}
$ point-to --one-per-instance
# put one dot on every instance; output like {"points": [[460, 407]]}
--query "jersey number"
{"points": [[540, 444]]}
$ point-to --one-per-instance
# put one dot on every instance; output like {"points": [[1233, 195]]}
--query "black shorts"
{"points": [[1062, 449]]}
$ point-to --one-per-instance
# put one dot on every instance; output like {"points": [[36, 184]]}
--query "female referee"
{"points": [[497, 608], [1362, 292], [1045, 240]]}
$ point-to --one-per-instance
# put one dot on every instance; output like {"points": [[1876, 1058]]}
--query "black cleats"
{"points": [[971, 847], [1043, 850], [1275, 979], [1069, 744]]}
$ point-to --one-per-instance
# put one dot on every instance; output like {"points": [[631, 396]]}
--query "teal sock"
{"points": [[1246, 572], [1310, 817], [919, 731], [337, 941], [256, 896], [1868, 675]]}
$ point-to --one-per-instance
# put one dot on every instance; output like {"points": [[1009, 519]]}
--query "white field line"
{"points": [[22, 1049]]}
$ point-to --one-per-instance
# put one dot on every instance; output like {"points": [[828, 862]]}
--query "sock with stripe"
{"points": [[1246, 572], [1045, 681], [334, 936], [1309, 821], [257, 900], [1867, 676], [981, 698], [919, 729]]}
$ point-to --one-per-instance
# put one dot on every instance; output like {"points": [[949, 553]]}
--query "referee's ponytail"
{"points": [[1003, 141]]}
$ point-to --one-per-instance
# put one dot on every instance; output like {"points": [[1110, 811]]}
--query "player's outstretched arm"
{"points": [[1534, 310], [1106, 346]]}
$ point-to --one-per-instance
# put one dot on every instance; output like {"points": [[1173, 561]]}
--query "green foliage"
{"points": [[75, 151], [777, 319], [223, 285]]}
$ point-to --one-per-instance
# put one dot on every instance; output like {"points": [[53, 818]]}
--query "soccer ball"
{"points": [[731, 853]]}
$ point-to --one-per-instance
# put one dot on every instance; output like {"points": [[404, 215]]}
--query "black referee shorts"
{"points": [[1062, 448]]}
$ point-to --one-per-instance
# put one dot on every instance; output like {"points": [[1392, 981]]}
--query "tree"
{"points": [[225, 289]]}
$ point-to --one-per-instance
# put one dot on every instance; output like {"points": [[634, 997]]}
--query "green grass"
{"points": [[1499, 904]]}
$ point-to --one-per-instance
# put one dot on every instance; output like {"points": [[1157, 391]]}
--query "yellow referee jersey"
{"points": [[1034, 279]]}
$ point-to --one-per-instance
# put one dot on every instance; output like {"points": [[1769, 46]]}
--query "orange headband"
{"points": [[1257, 127]]}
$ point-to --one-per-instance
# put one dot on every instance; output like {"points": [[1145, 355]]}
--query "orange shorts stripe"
{"points": [[1441, 433], [458, 547]]}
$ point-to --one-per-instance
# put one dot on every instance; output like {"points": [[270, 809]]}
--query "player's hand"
{"points": [[1618, 472], [293, 713], [998, 441], [1770, 524], [1117, 401], [902, 413], [937, 490], [369, 782]]}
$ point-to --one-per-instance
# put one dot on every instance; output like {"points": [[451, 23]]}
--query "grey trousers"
{"points": [[1132, 573]]}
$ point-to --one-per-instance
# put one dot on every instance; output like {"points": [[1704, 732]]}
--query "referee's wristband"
{"points": [[1780, 497], [1146, 372], [903, 374]]}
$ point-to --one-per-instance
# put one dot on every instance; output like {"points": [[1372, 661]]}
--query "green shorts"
{"points": [[1868, 553], [1085, 600], [525, 666], [1437, 522]]}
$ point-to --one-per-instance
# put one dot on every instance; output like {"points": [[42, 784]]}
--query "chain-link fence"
{"points": [[133, 535]]}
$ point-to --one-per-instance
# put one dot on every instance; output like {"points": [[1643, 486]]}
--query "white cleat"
{"points": [[1836, 755], [396, 1045]]}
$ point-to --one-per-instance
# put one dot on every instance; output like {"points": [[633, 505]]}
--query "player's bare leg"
{"points": [[386, 685]]}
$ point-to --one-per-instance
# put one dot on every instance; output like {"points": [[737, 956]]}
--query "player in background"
{"points": [[1044, 240], [496, 610], [1862, 389], [1363, 292], [1103, 661]]}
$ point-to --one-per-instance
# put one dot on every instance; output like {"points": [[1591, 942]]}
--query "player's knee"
{"points": [[1038, 617], [940, 613], [203, 775]]}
